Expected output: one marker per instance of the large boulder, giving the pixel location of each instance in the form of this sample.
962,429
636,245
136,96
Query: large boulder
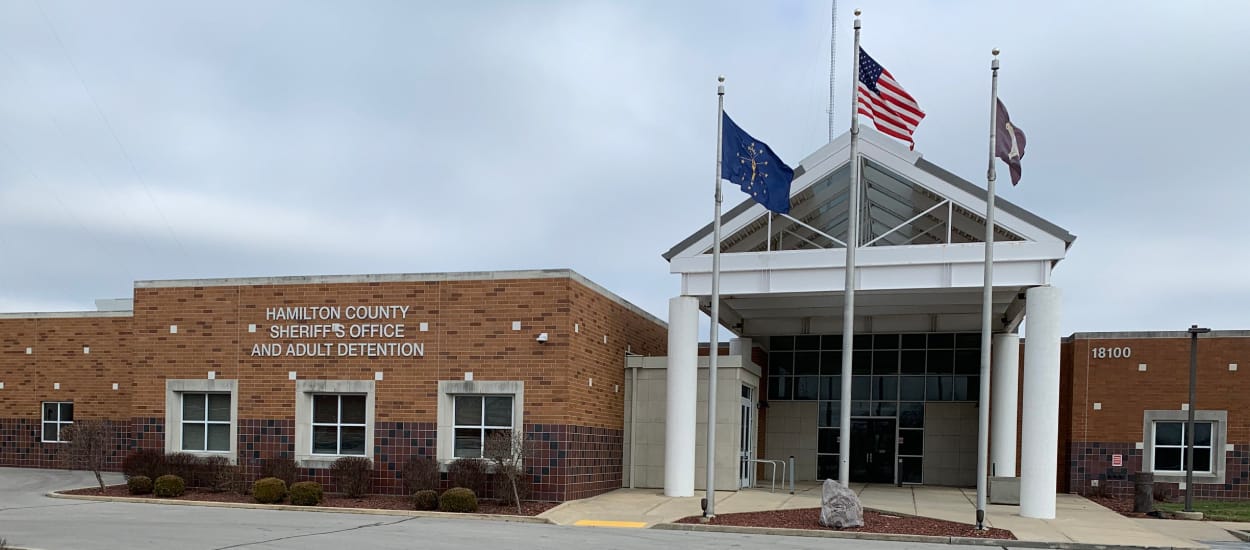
840,507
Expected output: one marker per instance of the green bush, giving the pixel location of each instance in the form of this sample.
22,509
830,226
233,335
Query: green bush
458,499
425,500
269,490
169,486
306,493
281,467
353,475
139,485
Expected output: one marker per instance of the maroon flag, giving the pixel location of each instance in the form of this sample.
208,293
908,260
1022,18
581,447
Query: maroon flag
1008,142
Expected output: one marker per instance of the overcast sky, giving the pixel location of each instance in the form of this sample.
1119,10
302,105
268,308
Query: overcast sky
155,140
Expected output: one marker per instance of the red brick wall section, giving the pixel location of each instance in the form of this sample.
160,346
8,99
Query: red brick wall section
57,357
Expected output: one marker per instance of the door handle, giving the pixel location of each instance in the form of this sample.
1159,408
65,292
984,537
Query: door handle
870,457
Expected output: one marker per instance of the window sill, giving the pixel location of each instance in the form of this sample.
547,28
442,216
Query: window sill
1179,477
206,454
322,462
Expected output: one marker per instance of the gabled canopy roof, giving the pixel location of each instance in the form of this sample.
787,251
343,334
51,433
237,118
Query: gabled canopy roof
920,258
907,201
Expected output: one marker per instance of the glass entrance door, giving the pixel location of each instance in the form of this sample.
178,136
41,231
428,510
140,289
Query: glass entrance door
873,446
746,468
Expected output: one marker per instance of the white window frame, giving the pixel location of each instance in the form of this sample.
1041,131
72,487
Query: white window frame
182,424
481,424
1155,446
174,390
60,424
338,424
304,392
1219,450
447,392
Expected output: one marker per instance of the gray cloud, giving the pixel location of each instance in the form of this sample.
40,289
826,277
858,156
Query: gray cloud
292,138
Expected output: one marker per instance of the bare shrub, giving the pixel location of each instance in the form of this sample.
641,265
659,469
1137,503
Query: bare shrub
149,463
86,447
509,450
281,467
187,466
469,473
421,473
353,475
219,474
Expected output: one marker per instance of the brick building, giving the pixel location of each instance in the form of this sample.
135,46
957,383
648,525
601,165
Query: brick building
384,366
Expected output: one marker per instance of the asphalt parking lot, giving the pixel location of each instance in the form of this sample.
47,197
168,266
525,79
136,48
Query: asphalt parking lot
30,519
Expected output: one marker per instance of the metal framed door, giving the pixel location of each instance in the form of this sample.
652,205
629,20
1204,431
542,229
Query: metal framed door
746,448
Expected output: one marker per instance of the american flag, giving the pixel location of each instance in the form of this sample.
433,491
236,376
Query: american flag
884,100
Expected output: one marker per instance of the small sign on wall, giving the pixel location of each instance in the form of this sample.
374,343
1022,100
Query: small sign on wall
1117,461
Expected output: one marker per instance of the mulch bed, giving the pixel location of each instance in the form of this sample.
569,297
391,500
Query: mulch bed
874,522
378,502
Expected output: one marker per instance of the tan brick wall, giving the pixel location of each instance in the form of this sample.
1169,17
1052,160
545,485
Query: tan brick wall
57,357
1125,392
470,330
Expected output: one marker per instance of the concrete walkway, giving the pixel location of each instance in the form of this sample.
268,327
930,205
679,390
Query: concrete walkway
1078,520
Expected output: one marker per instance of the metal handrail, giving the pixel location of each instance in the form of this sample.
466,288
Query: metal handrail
774,464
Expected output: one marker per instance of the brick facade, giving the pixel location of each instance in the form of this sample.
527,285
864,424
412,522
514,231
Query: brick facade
573,383
1093,374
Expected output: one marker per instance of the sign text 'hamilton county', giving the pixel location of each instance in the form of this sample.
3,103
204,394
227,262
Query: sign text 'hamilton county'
336,331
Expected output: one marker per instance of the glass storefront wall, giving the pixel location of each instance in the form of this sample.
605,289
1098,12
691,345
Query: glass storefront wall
894,375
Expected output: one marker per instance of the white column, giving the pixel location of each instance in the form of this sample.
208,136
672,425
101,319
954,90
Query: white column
1039,445
741,347
682,380
1004,404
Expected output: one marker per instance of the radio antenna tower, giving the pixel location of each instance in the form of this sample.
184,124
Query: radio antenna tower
833,64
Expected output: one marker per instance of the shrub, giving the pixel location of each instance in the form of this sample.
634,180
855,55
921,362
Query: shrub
469,473
269,490
458,499
187,466
420,473
139,485
353,475
169,486
281,467
306,493
87,447
426,499
218,474
509,450
512,485
149,463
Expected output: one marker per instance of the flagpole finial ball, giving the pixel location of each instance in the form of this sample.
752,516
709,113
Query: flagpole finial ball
995,52
858,12
720,78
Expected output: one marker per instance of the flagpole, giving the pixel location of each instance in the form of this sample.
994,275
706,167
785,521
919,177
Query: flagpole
987,307
714,339
848,306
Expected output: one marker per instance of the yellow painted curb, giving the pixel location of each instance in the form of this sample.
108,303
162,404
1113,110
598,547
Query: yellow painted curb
326,509
604,523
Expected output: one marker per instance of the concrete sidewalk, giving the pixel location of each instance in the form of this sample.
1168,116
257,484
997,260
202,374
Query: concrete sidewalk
1078,520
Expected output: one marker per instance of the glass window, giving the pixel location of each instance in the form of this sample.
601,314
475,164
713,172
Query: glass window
830,414
911,442
913,341
968,340
781,388
810,343
861,362
831,363
911,388
967,361
831,342
885,388
781,363
941,341
206,422
806,388
827,443
912,361
861,387
940,388
778,343
941,361
338,426
885,341
1169,447
827,466
57,415
477,417
807,363
831,388
911,415
885,362
909,469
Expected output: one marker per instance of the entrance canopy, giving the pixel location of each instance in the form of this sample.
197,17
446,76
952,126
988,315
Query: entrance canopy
919,265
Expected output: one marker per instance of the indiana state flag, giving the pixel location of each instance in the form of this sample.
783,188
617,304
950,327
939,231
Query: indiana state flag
752,165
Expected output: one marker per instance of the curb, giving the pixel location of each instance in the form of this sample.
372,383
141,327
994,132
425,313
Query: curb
1243,535
971,541
324,509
